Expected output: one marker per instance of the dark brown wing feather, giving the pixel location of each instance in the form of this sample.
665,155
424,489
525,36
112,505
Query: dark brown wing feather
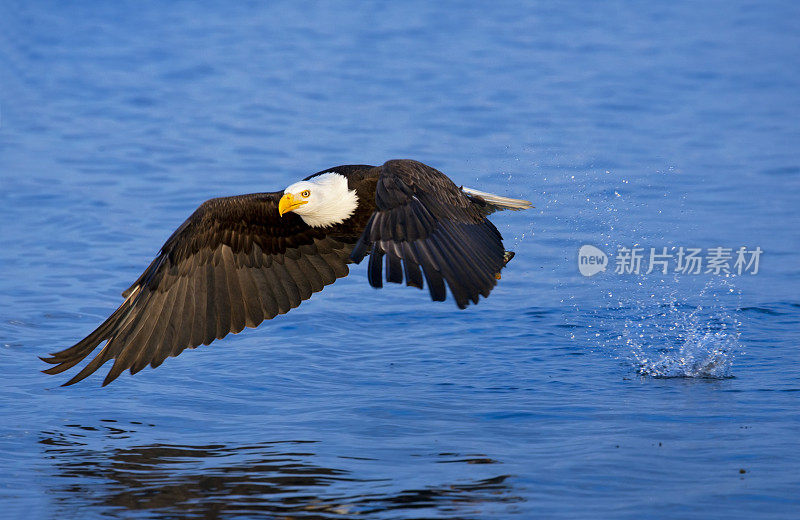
232,264
424,225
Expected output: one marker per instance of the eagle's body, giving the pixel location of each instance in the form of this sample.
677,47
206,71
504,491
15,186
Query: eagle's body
237,261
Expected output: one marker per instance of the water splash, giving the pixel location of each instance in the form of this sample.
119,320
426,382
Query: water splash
680,340
697,351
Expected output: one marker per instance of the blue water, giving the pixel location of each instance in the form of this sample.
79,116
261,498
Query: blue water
561,396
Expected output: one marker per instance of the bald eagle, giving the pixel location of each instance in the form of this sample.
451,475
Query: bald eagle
237,261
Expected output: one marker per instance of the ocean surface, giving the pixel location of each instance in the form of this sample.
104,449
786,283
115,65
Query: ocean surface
629,125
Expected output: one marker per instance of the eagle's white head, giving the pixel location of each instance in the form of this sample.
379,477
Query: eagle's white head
321,201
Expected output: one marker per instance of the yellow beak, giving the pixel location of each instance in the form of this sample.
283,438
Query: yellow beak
289,203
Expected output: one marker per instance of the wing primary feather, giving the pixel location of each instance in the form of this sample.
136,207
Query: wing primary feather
156,335
289,283
125,344
148,332
424,255
171,334
124,350
477,259
62,366
488,249
183,327
200,317
97,362
234,292
435,283
450,272
281,298
412,273
360,251
458,286
334,261
375,268
394,269
211,304
252,299
222,299
482,276
303,272
266,293
170,331
321,266
464,265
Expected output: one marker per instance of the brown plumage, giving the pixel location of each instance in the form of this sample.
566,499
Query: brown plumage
236,262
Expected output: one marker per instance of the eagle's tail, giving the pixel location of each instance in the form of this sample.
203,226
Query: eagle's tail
498,202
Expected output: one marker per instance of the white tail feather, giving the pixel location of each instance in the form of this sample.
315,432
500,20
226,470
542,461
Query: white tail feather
498,201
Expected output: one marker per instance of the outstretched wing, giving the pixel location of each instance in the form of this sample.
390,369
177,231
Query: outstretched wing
425,224
233,263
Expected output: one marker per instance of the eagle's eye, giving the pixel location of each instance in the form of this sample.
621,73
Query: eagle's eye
305,194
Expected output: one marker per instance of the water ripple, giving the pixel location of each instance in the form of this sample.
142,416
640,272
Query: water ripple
277,478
